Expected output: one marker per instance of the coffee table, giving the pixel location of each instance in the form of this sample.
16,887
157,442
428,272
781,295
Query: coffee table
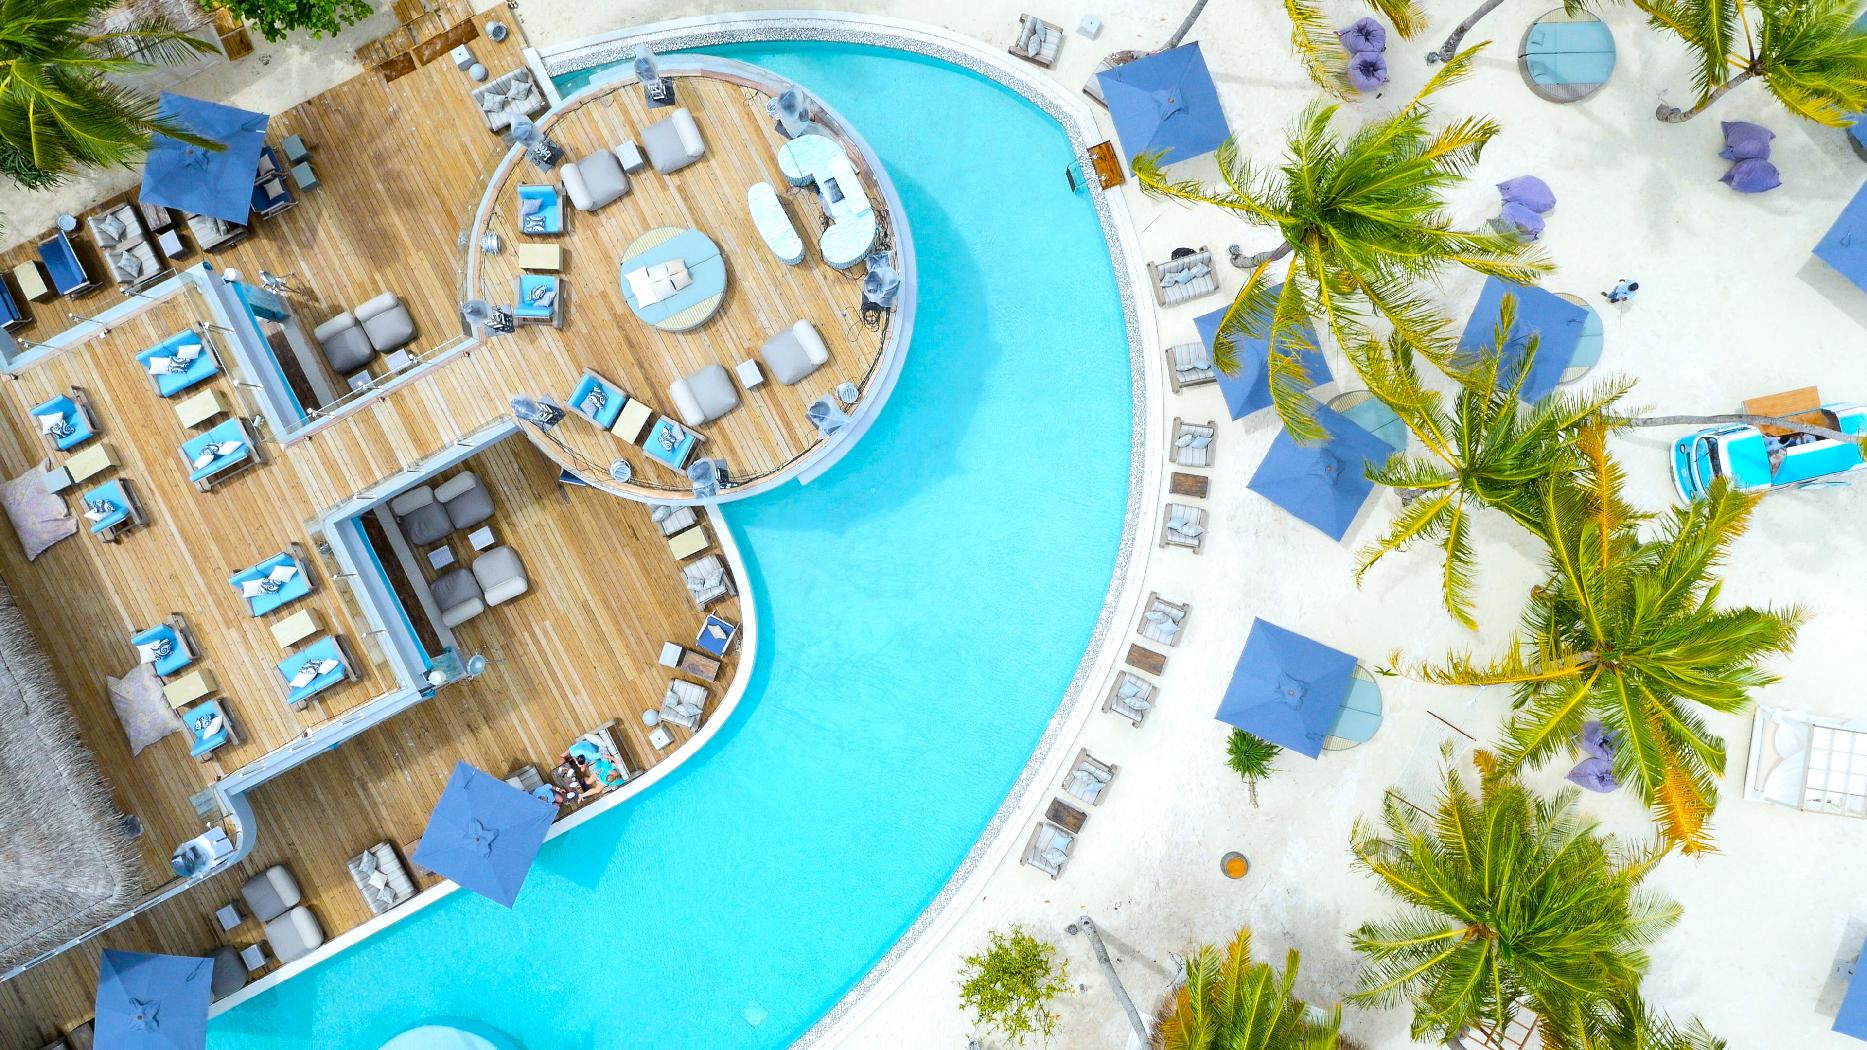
692,305
1184,484
1143,658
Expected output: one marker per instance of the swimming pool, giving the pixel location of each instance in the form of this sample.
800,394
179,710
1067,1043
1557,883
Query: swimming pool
922,608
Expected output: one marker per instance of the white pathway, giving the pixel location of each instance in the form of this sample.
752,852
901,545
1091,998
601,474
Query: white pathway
1731,304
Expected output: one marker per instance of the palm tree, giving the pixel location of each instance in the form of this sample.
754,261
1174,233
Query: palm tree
1086,926
1250,757
1362,220
59,111
1484,449
1806,52
1230,1002
1453,39
1512,902
1627,630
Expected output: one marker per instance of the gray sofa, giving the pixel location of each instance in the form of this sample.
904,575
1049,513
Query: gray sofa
457,594
683,704
704,396
514,93
466,498
345,346
1184,279
595,180
707,580
501,575
387,323
794,353
273,898
673,142
423,518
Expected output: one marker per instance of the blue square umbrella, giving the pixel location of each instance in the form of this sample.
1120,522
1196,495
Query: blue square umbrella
1287,689
1249,389
1557,323
177,174
1324,484
1844,246
1851,1018
1165,101
153,1002
484,834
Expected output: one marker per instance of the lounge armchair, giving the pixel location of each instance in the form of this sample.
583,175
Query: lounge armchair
597,399
1089,778
386,322
683,703
794,353
1162,621
467,499
1183,279
541,210
423,519
1183,526
1192,443
501,575
113,510
65,421
509,95
540,300
1190,364
294,935
168,646
457,594
1048,849
594,181
211,234
1131,697
180,362
322,665
1038,41
704,396
671,520
673,142
381,878
345,346
774,224
707,580
274,583
221,452
271,893
65,266
210,728
130,258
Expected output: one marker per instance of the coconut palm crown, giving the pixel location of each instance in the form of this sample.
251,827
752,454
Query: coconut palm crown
1807,52
1230,1002
1362,221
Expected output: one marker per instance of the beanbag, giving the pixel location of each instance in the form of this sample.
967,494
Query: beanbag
1752,176
1365,35
1529,191
1367,71
1746,141
1526,222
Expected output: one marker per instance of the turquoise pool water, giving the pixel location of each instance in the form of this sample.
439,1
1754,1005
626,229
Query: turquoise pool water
922,608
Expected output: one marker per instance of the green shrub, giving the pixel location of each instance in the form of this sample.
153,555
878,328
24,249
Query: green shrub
1250,757
275,18
1009,986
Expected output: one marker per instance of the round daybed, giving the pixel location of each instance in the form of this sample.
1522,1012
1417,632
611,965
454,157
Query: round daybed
1566,58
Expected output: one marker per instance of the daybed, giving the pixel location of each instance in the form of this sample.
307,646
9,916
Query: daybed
1048,849
1089,778
1038,41
1183,526
274,583
671,519
212,234
597,399
112,509
181,362
322,665
220,453
168,646
65,421
210,728
1190,364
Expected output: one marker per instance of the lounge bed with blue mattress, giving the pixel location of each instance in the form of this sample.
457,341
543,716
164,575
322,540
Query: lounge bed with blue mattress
220,453
112,510
315,668
597,400
183,360
274,583
168,646
65,421
209,729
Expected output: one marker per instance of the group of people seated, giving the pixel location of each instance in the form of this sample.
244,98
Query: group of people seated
586,769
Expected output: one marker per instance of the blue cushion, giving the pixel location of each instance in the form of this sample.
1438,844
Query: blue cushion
229,430
200,720
604,415
325,648
202,369
1542,38
67,409
110,492
295,588
177,659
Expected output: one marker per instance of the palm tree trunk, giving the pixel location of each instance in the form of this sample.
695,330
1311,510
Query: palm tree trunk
1252,262
1675,115
1186,25
1451,46
1743,417
1085,924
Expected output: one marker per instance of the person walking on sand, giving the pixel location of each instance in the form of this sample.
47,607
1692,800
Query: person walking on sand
1622,292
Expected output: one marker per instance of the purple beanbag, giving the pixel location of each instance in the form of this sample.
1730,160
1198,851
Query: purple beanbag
1746,141
1529,191
1526,222
1595,774
1755,175
1365,35
1367,71
1598,740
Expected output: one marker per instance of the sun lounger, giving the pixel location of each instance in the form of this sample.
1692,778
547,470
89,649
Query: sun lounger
210,728
274,583
707,580
1564,58
65,421
1088,778
1038,41
1183,526
597,399
381,878
130,258
1131,697
64,265
672,520
322,665
1048,849
1190,364
683,703
112,509
1184,279
168,646
1192,443
217,455
180,362
1162,620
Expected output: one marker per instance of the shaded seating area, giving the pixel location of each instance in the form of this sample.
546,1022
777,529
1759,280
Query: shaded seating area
1293,691
1324,485
1247,388
220,453
1566,58
1165,101
180,362
484,834
1558,324
274,583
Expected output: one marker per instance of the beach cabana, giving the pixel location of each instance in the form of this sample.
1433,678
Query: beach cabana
1287,689
1557,323
484,834
1248,388
202,181
1844,246
153,1002
1165,101
1324,484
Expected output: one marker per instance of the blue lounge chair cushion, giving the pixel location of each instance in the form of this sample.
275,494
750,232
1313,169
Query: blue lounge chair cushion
597,400
541,210
325,648
290,591
111,498
208,728
177,656
226,433
1752,176
1746,141
1529,191
203,368
72,427
537,296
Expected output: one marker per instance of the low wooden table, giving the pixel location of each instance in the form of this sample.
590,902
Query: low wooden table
545,258
202,407
189,688
31,281
699,665
1065,816
94,460
1140,656
297,627
688,542
1183,484
635,415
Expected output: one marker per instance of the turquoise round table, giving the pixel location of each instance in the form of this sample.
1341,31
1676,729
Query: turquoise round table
690,306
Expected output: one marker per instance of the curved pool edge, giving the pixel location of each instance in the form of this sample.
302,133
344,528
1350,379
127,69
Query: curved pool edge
722,714
1146,466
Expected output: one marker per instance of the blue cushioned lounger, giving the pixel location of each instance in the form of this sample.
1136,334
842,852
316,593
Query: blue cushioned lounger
71,422
209,728
227,433
204,367
324,649
121,514
177,655
597,400
287,591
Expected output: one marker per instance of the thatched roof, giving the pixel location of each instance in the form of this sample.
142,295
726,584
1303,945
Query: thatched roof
65,864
